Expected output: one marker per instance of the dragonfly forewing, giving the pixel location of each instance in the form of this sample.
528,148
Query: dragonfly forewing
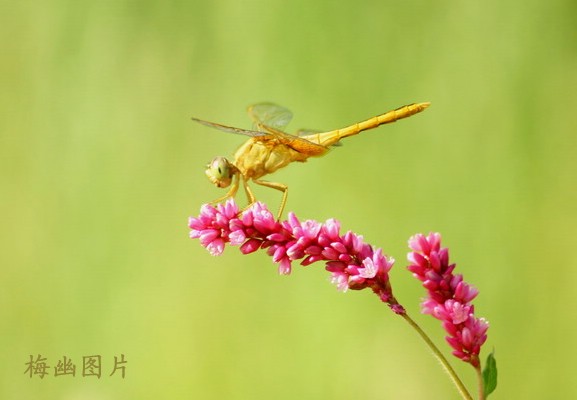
231,129
269,115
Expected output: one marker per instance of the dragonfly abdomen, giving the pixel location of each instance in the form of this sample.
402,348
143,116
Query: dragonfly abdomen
332,137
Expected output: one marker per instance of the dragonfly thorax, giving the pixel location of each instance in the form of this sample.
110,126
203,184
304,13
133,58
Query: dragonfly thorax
220,171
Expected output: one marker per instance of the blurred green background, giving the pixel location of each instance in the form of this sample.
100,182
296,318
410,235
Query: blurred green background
101,167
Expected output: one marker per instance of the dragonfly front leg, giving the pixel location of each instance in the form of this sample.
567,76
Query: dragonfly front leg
278,186
230,194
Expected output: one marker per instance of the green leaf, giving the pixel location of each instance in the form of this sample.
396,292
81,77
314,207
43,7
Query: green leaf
490,375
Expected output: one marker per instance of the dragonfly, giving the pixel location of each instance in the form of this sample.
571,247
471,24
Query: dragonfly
270,148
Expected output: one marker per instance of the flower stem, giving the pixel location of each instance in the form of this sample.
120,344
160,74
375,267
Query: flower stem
480,383
444,362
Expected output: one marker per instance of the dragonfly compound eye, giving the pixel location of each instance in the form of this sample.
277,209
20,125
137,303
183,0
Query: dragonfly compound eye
219,171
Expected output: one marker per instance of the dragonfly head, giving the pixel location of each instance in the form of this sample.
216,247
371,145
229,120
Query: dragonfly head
220,171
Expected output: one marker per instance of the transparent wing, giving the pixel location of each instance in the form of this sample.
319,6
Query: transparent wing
305,132
270,115
230,129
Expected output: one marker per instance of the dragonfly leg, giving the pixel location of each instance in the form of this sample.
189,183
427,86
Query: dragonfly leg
249,193
231,193
278,186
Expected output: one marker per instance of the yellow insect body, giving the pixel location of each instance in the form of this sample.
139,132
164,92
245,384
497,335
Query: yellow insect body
270,148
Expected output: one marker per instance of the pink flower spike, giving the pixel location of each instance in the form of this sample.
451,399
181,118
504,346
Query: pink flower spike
353,263
448,296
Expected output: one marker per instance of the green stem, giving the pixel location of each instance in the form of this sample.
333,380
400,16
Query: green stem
480,383
444,362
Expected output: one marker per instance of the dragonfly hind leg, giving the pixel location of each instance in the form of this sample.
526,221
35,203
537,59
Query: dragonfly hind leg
274,185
